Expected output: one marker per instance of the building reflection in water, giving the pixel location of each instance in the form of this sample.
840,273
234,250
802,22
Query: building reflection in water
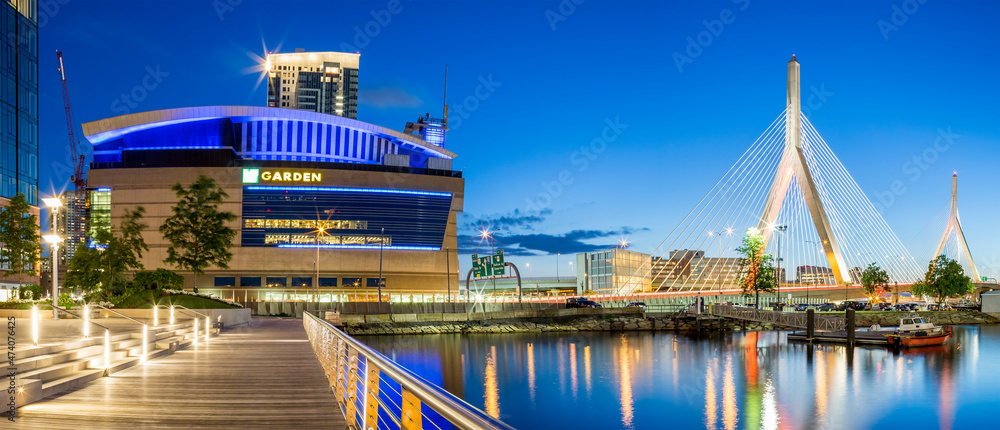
586,368
492,390
625,379
821,386
710,401
729,409
769,415
572,369
531,372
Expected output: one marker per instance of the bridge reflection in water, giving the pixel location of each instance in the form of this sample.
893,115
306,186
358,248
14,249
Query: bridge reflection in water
637,380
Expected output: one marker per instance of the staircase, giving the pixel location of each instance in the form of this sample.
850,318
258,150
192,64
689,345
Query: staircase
54,369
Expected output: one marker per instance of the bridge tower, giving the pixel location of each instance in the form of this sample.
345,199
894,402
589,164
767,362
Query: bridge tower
955,226
793,164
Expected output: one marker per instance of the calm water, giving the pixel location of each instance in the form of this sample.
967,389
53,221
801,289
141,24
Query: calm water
744,380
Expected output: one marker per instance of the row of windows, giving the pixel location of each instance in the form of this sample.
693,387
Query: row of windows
306,223
297,281
305,239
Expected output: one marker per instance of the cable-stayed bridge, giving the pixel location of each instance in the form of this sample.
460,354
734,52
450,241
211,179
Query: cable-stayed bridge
790,187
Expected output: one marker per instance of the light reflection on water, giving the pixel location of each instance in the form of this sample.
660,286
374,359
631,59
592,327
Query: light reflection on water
648,380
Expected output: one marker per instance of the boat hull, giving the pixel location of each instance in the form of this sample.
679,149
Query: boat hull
912,341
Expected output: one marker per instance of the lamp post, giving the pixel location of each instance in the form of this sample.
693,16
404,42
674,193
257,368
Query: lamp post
54,203
381,243
777,269
319,231
53,240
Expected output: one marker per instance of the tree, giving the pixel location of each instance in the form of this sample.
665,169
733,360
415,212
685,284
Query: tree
19,235
873,280
944,278
159,279
756,269
108,264
197,231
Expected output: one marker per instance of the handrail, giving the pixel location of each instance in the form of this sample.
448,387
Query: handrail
121,314
193,311
451,408
85,319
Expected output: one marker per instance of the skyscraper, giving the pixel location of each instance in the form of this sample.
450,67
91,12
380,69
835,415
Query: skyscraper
324,82
19,100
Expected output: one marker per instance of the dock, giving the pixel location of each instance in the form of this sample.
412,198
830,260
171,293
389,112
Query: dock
860,337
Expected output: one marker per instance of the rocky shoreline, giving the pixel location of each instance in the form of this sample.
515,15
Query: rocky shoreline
627,323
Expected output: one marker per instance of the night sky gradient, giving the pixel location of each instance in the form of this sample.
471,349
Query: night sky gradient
593,96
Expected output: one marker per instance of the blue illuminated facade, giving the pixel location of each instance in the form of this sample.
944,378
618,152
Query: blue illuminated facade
19,100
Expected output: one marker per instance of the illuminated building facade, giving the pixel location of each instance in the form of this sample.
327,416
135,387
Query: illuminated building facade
613,271
19,111
297,181
323,82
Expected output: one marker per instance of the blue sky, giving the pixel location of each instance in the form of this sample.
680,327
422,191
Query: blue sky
677,90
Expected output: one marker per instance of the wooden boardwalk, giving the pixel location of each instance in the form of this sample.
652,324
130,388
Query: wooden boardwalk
263,376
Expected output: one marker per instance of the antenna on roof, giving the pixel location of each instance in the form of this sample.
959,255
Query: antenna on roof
446,95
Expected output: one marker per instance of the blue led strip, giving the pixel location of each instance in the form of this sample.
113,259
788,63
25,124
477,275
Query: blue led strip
347,190
390,247
161,148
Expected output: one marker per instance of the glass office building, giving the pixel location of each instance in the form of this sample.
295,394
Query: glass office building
308,189
19,100
324,82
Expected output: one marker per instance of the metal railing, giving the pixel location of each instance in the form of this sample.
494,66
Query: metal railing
350,365
119,314
787,319
86,320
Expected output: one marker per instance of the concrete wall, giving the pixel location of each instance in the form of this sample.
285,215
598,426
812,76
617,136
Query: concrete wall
403,270
230,317
348,319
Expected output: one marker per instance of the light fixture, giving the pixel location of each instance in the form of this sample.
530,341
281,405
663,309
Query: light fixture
53,202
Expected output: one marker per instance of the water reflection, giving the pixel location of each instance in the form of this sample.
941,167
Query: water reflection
492,389
531,372
625,379
731,381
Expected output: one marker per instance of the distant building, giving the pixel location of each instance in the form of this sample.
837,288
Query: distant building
613,271
324,82
814,275
70,223
856,275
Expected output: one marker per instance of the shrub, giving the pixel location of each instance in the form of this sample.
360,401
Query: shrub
30,292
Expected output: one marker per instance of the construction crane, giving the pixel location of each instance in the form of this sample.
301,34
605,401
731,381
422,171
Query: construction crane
79,177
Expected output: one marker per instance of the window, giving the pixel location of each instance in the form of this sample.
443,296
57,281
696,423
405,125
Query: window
327,282
302,281
252,281
275,281
225,281
352,282
373,282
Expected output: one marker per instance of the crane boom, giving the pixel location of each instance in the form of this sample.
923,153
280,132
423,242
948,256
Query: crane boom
79,176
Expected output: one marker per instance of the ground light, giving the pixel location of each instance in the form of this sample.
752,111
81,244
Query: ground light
145,344
86,322
196,332
34,324
107,352
156,316
207,327
171,314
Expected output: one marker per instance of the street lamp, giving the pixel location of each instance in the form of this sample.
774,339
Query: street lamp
53,240
486,234
54,203
777,269
319,231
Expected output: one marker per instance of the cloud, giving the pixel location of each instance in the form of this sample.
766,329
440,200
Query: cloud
388,98
542,244
510,221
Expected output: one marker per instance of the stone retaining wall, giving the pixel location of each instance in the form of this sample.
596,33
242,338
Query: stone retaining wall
936,317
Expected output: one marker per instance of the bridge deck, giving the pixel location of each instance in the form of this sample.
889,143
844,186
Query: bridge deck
249,377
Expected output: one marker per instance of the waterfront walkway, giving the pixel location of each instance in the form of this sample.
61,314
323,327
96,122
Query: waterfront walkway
259,376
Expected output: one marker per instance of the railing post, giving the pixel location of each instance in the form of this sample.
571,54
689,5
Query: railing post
410,418
351,396
371,400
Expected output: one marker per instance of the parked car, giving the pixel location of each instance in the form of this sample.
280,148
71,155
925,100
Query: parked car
882,306
802,307
584,303
826,307
640,305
